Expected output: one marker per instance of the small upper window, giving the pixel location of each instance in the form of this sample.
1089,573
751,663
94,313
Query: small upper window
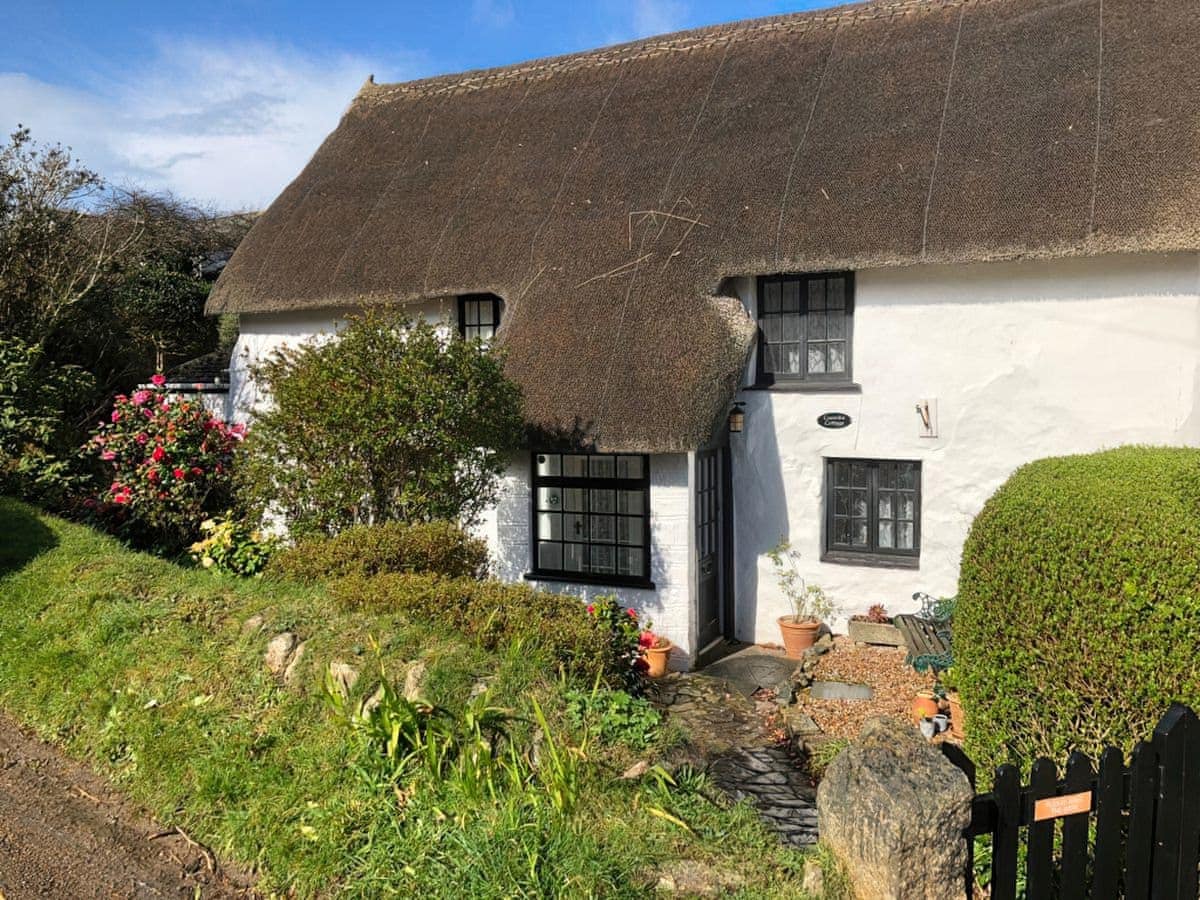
804,327
873,511
479,316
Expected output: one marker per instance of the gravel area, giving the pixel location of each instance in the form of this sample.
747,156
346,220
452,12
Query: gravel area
883,668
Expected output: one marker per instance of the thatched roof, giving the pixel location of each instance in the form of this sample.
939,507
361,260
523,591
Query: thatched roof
606,195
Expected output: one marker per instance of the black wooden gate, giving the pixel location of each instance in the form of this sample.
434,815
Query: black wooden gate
1120,830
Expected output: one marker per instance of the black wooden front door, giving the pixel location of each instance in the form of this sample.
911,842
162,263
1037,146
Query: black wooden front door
710,544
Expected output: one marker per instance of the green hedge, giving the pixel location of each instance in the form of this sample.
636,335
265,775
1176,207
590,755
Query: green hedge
440,548
494,614
1078,618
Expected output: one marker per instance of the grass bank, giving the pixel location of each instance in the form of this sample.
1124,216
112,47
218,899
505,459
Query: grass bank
143,669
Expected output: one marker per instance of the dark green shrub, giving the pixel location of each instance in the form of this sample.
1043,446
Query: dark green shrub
495,615
1078,615
438,548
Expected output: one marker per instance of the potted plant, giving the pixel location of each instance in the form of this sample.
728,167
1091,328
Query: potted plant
958,720
875,628
810,605
656,651
924,705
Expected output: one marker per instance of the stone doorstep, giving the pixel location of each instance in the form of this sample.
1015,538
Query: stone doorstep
840,690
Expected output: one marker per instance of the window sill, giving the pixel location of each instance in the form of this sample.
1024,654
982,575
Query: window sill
601,580
801,387
871,560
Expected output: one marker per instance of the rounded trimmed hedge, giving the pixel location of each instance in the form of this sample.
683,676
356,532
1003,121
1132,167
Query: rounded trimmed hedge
1078,617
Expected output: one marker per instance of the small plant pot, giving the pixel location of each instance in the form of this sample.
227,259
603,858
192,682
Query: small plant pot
656,658
797,636
924,706
958,721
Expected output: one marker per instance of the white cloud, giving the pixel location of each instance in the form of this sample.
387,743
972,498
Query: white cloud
652,17
492,13
227,125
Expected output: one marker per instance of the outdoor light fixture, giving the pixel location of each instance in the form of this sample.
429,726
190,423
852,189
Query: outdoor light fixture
737,419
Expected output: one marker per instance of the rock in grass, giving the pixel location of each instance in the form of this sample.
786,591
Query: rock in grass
414,680
253,625
695,879
342,677
279,652
813,882
892,809
289,674
637,770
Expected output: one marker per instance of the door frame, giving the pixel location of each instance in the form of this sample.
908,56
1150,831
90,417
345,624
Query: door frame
725,576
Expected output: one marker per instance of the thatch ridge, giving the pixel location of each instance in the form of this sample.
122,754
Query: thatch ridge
607,195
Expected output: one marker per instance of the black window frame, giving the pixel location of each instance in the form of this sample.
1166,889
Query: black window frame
873,554
590,482
762,377
497,311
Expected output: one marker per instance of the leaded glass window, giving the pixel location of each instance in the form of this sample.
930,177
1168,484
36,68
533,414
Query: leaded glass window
479,316
804,325
591,516
873,507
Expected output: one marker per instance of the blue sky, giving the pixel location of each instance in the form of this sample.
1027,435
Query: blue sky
224,102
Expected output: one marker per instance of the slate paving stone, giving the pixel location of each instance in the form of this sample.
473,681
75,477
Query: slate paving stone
838,690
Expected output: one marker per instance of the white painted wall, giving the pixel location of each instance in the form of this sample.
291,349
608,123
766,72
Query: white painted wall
669,606
1025,359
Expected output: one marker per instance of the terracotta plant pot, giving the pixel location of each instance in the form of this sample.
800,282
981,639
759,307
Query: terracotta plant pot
924,706
958,721
798,636
656,658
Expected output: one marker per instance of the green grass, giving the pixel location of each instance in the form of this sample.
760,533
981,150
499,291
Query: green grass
140,668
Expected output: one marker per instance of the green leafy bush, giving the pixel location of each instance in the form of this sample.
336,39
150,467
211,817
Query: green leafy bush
390,421
613,716
232,545
438,548
37,442
495,615
1078,613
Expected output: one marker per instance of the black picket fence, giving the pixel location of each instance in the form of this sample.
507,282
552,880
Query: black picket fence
1114,831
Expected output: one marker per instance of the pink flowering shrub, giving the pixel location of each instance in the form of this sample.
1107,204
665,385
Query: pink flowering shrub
170,460
625,632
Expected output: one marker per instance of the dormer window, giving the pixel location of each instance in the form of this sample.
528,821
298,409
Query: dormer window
479,316
804,328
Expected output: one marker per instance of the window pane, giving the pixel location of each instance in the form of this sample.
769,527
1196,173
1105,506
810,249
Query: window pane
629,561
574,499
471,310
885,506
860,504
841,506
836,293
841,532
816,326
549,464
550,526
904,535
791,359
630,502
603,466
575,527
574,557
602,529
859,530
816,294
816,358
791,328
575,466
858,474
602,559
549,556
835,325
837,357
885,535
907,476
549,498
770,296
629,531
841,474
791,296
907,507
629,467
772,327
887,476
603,501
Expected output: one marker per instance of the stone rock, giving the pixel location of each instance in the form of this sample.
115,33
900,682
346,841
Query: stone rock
372,702
892,808
799,723
823,644
253,625
839,690
293,666
414,680
343,677
637,770
480,687
812,884
279,652
696,879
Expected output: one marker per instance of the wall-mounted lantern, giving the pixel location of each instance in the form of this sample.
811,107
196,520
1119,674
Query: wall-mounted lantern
737,419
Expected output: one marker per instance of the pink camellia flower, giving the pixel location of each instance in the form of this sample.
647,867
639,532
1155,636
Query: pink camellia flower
140,397
142,437
152,476
646,640
121,498
116,415
108,456
591,607
158,453
158,380
632,612
178,473
196,470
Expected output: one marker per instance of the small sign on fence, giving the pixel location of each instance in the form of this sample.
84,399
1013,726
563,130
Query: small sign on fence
1066,805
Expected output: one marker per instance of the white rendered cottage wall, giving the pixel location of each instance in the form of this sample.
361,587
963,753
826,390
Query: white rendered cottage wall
1024,359
669,605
